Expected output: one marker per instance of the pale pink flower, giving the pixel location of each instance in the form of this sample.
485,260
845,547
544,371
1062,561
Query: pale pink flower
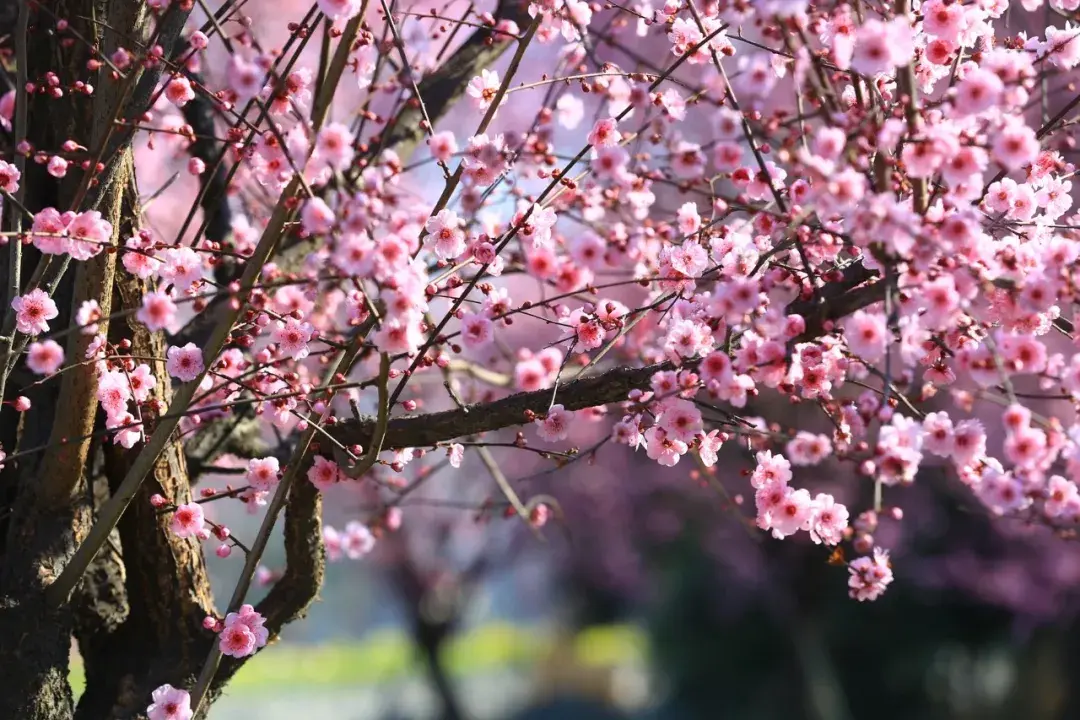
455,454
1014,146
87,316
49,230
128,429
188,520
867,335
334,145
57,166
663,448
170,703
605,133
33,311
185,363
483,88
182,267
323,473
45,357
237,640
555,425
88,234
292,337
158,311
316,217
179,91
357,541
869,576
828,520
142,381
938,434
477,331
1062,496
445,235
251,619
340,9
792,514
262,473
443,145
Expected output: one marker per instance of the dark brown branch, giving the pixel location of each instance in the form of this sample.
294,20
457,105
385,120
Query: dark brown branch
432,428
858,288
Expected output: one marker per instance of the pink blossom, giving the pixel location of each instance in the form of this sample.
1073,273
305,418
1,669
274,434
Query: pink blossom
33,311
49,230
445,235
292,337
323,473
179,91
87,316
555,425
170,703
455,454
605,133
1062,497
317,217
483,88
340,9
828,520
262,473
477,331
142,381
185,363
182,267
187,520
867,335
334,146
45,357
793,513
57,166
88,234
662,448
358,540
9,177
158,311
237,640
443,145
869,576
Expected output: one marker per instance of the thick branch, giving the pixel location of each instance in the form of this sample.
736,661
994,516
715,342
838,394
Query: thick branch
432,428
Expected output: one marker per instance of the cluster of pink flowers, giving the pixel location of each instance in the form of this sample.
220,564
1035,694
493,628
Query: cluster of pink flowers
242,633
854,211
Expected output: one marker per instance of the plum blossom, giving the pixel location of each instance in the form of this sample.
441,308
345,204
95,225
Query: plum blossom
45,357
33,311
555,425
170,703
185,363
262,473
870,576
187,520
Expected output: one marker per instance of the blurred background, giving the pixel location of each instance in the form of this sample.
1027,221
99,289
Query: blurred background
654,598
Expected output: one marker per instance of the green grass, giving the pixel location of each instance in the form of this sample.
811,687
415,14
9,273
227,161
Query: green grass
386,655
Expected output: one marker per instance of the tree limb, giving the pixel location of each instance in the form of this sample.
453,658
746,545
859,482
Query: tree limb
429,429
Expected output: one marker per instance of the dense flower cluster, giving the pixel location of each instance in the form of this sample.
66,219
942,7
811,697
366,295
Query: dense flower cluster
863,210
